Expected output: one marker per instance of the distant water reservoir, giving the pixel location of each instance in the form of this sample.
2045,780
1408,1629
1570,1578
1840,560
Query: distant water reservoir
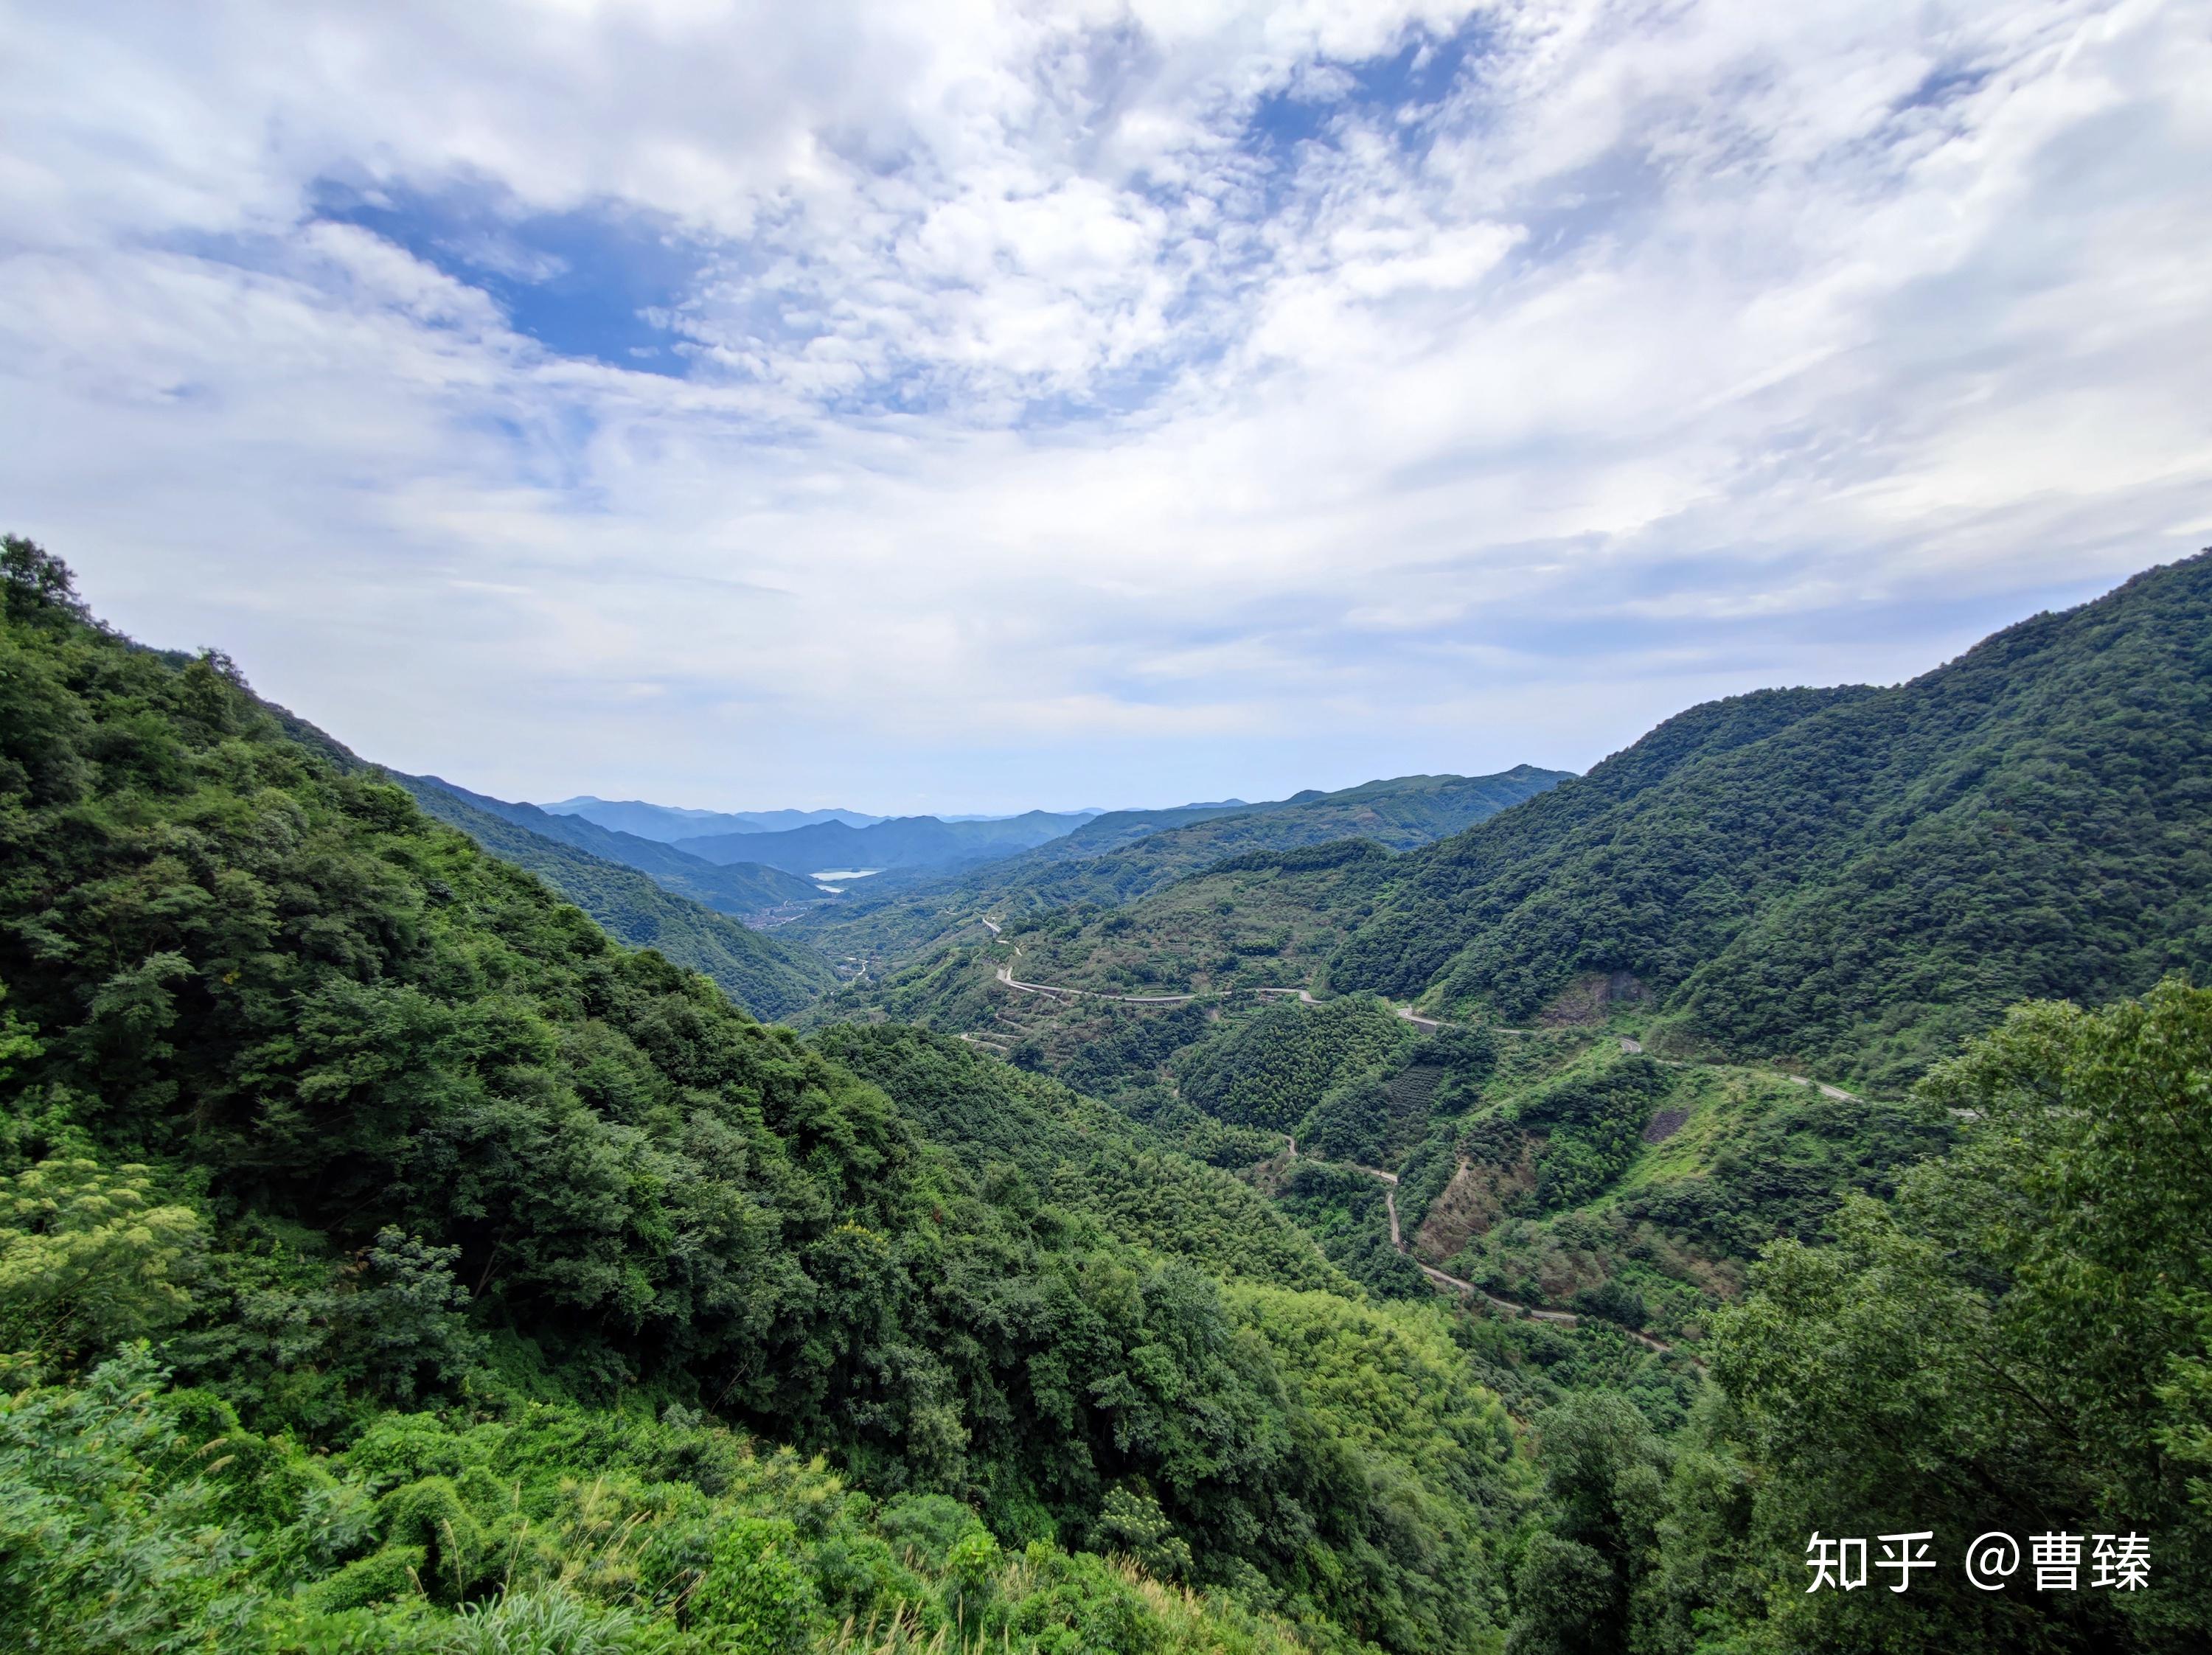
827,875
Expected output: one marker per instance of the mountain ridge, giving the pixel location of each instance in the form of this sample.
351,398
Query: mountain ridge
1892,867
740,889
896,842
669,822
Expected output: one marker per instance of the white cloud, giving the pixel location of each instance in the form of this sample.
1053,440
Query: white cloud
1053,429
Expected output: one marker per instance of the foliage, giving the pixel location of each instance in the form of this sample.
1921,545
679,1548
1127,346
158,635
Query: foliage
1592,1123
137,1517
1271,1067
87,1257
1857,876
2016,1343
109,1544
1031,1141
768,976
1343,1207
1604,1472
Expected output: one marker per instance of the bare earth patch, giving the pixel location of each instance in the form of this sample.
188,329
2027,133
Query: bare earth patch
1473,1201
1589,996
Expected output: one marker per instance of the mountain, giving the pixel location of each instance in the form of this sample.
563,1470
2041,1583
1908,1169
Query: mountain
1845,881
1397,814
769,976
1123,857
396,1261
899,842
667,823
1114,828
1856,877
738,888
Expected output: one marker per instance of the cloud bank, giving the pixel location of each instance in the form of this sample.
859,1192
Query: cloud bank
965,406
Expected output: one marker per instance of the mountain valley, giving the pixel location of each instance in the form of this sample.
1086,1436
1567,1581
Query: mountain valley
1445,1213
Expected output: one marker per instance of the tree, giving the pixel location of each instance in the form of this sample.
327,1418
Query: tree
2017,1343
87,1259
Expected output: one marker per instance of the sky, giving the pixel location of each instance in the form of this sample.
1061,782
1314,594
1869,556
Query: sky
969,406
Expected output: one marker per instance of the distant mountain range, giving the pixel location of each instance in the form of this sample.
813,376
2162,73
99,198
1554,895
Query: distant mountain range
1119,857
899,842
737,887
668,823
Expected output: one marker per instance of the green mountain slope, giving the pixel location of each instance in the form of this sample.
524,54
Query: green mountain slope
1118,828
769,977
1121,857
1398,814
478,1244
738,888
1856,878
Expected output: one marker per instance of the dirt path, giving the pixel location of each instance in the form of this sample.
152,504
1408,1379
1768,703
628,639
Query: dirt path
1439,1278
1428,1025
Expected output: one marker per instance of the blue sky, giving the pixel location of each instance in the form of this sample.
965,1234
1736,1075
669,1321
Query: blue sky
969,406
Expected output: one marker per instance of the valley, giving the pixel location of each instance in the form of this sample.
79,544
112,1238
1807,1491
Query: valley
1446,1214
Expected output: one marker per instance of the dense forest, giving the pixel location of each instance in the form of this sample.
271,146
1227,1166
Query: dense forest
738,888
1124,855
1860,877
756,969
394,1260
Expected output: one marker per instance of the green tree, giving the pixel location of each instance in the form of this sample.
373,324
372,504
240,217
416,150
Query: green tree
1604,1472
2016,1343
88,1258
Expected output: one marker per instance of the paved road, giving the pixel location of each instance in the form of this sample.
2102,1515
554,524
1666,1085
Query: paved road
1053,991
1431,1025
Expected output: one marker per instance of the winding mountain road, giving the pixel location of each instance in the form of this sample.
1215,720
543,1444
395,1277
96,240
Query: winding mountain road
1468,1290
1389,1180
1062,992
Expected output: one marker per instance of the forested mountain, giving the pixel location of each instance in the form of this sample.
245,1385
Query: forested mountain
1115,829
1123,856
667,823
899,842
1396,814
768,976
390,1261
484,1251
738,888
1856,877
